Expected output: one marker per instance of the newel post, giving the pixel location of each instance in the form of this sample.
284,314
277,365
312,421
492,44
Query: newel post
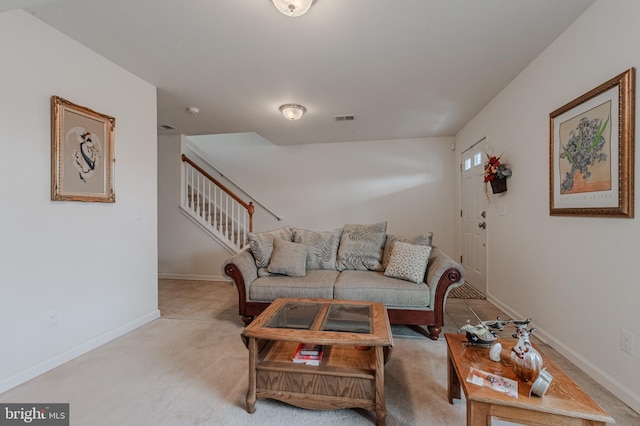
250,210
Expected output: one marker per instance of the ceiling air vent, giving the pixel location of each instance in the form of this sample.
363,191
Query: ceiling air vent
344,117
167,127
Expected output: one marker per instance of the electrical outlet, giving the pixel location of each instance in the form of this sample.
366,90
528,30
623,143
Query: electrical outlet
626,341
52,318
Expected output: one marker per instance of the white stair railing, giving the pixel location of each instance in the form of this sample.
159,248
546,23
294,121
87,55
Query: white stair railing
214,207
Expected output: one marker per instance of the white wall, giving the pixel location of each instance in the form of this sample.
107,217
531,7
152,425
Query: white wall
93,264
577,277
184,250
409,183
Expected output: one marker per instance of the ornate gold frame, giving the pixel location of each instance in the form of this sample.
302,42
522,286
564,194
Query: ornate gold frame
622,164
82,155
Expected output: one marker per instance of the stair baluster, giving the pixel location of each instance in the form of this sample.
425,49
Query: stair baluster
214,207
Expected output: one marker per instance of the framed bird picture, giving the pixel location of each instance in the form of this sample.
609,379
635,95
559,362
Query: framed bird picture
82,157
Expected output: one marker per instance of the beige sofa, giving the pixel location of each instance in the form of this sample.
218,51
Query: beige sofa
357,262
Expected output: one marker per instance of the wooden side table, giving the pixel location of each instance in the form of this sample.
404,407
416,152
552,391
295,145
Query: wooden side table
564,403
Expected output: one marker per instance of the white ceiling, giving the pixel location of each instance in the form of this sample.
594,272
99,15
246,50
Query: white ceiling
404,68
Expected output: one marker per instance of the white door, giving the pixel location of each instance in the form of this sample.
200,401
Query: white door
474,223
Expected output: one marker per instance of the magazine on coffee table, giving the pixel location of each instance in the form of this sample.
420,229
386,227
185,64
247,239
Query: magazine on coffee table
497,383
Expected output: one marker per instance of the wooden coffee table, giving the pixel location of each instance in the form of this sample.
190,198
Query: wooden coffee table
346,377
564,403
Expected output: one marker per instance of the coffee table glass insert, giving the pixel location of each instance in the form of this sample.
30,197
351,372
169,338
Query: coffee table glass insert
348,318
296,315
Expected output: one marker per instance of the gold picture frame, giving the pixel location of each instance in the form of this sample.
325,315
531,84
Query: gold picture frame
591,153
82,156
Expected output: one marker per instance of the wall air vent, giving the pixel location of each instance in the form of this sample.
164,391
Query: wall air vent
344,117
167,127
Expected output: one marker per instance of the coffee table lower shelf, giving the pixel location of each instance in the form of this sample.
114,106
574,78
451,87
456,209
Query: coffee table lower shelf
345,378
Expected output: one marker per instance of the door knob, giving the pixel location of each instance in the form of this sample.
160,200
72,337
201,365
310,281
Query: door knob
483,214
482,225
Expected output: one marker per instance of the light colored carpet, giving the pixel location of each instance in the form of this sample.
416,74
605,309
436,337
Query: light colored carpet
190,368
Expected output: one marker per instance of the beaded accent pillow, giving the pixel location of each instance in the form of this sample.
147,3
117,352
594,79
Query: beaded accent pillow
422,240
408,262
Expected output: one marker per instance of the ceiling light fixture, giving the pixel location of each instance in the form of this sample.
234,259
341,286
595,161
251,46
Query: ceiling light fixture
292,111
292,8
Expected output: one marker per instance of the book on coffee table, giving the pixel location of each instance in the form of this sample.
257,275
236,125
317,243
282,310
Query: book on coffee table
308,354
309,349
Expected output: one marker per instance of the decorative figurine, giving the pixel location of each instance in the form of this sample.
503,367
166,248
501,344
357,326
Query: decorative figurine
527,360
478,334
540,386
496,352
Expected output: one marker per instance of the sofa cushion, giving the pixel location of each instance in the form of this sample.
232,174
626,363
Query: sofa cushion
261,244
315,284
361,247
323,247
408,262
288,258
423,240
375,287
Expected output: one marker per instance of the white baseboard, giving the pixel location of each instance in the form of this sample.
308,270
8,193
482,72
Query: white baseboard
193,277
75,352
629,397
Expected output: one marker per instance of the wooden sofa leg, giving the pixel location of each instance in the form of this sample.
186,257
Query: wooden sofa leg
246,319
434,332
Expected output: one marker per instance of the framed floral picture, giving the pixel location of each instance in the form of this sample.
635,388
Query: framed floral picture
591,155
82,158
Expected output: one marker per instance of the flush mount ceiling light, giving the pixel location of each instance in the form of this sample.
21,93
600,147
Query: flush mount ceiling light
292,111
292,8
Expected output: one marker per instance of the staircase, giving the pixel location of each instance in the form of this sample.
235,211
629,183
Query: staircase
213,207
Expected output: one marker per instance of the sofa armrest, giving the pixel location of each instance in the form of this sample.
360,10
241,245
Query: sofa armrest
242,269
443,275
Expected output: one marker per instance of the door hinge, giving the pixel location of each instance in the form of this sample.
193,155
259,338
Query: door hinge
460,258
460,212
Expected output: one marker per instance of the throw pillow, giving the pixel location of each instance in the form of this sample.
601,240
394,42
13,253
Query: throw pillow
408,262
262,244
288,258
421,240
323,247
361,247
